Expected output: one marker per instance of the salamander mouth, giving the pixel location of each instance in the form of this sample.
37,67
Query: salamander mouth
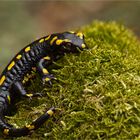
71,49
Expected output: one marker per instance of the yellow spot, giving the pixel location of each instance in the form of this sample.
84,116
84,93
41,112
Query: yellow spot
27,49
2,80
30,127
50,112
67,40
59,41
11,65
9,99
6,131
71,32
47,58
19,56
47,38
53,40
80,35
47,79
83,46
41,40
45,71
29,95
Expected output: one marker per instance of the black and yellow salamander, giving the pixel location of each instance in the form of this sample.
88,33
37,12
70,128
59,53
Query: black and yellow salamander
39,54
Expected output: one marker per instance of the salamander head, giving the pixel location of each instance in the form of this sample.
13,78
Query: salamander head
71,41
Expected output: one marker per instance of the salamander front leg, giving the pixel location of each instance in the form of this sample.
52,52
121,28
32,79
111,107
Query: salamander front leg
46,77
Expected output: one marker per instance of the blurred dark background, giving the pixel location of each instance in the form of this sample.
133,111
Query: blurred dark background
21,22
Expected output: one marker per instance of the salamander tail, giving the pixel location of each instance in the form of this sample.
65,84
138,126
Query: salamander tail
10,131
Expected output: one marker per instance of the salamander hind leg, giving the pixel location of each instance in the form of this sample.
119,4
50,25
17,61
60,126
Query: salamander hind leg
18,89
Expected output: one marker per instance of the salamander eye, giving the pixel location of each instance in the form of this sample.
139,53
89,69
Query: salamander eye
68,44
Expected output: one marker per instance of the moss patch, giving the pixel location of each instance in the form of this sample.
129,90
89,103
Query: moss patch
98,90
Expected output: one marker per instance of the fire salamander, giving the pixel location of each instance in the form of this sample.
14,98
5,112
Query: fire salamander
39,54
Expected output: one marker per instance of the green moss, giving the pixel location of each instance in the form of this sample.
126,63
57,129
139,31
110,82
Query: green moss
98,90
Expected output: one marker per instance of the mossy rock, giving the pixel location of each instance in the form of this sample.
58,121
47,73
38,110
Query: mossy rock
98,90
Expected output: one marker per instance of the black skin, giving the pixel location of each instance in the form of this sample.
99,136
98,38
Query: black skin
39,54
